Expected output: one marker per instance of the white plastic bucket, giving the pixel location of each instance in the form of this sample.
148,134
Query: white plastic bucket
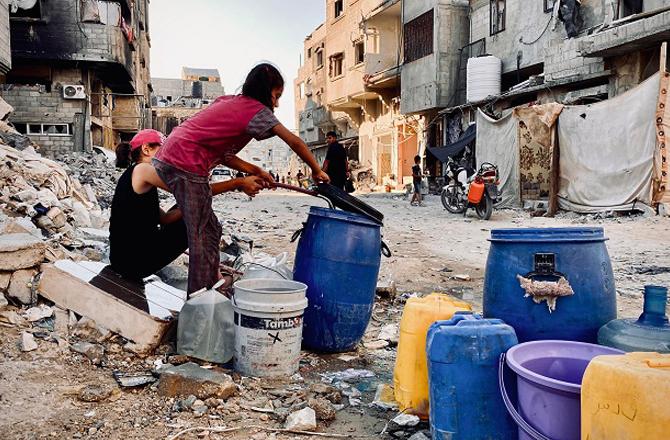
268,326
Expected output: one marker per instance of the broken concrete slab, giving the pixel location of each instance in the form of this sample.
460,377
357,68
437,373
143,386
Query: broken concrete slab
61,326
3,301
21,286
20,251
28,342
117,305
11,318
192,379
303,420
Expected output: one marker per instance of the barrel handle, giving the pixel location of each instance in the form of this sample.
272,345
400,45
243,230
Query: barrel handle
386,251
296,234
555,275
525,426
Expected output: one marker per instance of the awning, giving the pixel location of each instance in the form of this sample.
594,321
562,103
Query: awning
443,153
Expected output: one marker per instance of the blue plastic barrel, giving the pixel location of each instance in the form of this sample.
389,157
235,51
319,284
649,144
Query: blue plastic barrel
577,254
338,257
465,401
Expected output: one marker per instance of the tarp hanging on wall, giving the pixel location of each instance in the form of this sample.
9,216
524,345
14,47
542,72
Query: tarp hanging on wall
443,153
607,151
497,144
536,148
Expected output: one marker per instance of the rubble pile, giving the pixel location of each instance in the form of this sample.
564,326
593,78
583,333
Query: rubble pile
42,190
97,170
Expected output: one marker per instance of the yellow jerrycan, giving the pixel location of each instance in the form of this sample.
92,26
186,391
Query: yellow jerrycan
410,377
626,397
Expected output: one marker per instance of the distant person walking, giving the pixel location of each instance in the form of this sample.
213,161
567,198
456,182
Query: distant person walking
417,176
336,164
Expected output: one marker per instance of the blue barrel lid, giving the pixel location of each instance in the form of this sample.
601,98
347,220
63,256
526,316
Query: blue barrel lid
341,215
547,235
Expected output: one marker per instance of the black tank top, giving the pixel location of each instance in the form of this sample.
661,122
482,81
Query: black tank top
134,219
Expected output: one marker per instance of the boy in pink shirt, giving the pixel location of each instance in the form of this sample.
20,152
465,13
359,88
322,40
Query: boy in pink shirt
214,136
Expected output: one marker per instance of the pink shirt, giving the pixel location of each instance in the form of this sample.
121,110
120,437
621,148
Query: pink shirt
217,132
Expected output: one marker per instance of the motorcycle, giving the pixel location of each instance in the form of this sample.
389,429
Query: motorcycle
479,191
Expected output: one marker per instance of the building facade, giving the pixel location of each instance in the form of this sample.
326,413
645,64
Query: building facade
80,72
350,83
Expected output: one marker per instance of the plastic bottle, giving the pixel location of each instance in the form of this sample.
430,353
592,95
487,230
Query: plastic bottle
651,332
205,329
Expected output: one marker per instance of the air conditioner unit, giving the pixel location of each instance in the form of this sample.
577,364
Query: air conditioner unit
74,91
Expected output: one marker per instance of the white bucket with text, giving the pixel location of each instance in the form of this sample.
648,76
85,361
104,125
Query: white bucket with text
268,326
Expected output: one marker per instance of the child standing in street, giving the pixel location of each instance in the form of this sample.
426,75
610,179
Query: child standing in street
214,136
417,176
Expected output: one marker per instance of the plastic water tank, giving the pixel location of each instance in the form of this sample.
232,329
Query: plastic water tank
483,78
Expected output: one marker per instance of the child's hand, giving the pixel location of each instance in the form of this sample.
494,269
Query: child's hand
251,185
267,179
320,176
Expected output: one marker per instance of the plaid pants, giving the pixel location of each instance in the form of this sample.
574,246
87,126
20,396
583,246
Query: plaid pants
194,197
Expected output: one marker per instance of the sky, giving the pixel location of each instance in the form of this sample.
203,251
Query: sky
233,36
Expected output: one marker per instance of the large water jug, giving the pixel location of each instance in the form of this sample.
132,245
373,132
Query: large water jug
338,258
575,257
205,329
410,376
626,397
463,355
651,332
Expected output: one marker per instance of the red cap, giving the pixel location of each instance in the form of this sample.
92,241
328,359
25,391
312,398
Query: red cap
147,136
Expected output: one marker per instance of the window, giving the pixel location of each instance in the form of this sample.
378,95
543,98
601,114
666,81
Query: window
418,37
19,11
337,65
319,58
549,5
629,7
359,52
301,88
44,129
497,16
339,7
309,52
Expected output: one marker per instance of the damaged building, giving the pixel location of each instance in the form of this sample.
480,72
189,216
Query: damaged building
176,99
349,82
80,72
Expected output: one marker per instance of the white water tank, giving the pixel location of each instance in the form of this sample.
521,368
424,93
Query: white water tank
483,78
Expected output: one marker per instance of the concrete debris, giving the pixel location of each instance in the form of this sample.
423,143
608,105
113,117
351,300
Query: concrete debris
303,420
461,277
28,342
3,301
418,436
20,251
190,378
97,172
323,408
20,286
406,420
390,333
349,374
94,352
131,380
37,313
94,393
375,345
11,318
184,404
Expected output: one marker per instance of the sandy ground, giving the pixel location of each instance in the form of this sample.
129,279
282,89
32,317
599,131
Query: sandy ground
36,388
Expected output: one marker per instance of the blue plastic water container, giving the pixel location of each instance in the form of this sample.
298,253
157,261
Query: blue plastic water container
338,257
465,401
577,254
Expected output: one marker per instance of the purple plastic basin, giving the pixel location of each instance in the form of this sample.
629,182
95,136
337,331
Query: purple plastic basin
549,382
